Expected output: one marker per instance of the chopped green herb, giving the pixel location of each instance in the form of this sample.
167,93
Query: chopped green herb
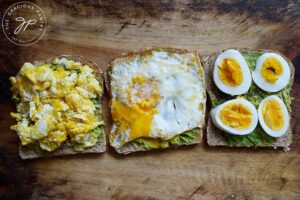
78,71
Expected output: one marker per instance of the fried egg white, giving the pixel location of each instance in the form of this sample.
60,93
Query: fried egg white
273,116
54,102
231,73
272,72
237,116
156,94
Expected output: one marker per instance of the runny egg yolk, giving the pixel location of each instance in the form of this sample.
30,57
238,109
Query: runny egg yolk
137,119
271,69
236,115
273,115
230,72
142,96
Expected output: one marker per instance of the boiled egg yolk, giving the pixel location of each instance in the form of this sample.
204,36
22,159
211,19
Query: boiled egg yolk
236,115
271,69
273,115
134,117
230,72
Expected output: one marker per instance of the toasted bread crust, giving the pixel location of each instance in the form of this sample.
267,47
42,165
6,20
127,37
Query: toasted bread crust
27,153
215,137
129,147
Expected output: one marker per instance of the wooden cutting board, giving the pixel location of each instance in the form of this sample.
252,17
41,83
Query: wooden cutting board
100,31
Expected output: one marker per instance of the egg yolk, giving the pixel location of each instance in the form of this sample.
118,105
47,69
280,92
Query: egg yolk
142,96
236,115
230,72
273,115
137,119
271,69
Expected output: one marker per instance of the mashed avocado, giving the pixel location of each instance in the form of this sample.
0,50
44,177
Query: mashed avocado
258,137
94,137
184,138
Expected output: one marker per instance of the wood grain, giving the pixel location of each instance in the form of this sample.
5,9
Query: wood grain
100,31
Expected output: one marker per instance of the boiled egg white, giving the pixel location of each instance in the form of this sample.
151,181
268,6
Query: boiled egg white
231,73
272,72
273,116
237,117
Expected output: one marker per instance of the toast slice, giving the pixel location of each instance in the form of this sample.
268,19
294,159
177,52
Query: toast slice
216,137
29,153
134,146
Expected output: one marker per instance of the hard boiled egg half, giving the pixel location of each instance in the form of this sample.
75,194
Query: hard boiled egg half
272,72
273,116
237,117
231,73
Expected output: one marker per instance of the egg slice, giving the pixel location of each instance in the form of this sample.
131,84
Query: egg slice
231,73
272,72
237,117
273,116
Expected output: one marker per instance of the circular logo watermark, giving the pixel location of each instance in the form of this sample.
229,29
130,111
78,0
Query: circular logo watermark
24,23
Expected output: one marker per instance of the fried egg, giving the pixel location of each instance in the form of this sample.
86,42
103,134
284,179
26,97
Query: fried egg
231,73
156,94
273,116
55,102
272,72
237,116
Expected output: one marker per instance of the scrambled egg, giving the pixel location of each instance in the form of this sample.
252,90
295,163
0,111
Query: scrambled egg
56,102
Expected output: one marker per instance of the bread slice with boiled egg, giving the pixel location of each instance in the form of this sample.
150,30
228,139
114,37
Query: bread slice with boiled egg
158,99
80,130
260,79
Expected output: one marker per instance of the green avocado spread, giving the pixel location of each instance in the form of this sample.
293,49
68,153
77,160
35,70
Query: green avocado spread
258,137
184,138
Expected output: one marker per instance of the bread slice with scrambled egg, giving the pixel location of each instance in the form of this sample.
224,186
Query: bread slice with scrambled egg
158,99
219,136
59,107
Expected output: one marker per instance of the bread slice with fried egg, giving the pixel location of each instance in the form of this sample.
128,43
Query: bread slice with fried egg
98,145
217,136
158,99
